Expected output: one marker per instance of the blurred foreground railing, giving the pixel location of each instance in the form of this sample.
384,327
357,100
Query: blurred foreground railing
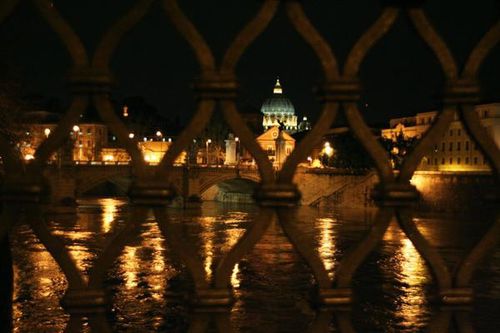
90,80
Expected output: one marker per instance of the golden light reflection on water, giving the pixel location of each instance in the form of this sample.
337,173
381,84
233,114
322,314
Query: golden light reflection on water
412,273
327,247
109,212
207,237
130,266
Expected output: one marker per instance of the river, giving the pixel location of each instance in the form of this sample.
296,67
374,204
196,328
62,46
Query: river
272,285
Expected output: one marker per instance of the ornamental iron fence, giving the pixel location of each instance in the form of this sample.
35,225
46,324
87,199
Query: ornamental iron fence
90,79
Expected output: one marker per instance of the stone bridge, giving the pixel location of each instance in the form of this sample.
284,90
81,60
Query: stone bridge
74,181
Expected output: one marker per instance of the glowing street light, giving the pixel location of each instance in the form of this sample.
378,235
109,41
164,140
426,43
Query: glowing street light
159,134
131,135
47,132
327,148
237,140
76,129
209,141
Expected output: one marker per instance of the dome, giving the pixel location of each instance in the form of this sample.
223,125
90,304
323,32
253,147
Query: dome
277,103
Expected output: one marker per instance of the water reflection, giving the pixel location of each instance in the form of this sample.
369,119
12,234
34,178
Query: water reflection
327,243
110,208
272,283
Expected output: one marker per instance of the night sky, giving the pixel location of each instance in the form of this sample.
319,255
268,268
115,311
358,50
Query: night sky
400,76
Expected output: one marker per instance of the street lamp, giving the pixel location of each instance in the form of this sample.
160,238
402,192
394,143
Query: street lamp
328,149
47,132
237,140
158,134
76,130
209,141
131,135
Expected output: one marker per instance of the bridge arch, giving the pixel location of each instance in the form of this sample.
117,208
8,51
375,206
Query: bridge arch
212,181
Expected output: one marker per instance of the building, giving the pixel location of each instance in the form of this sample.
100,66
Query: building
85,143
456,151
279,111
277,144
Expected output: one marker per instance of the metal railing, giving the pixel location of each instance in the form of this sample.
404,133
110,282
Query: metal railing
90,80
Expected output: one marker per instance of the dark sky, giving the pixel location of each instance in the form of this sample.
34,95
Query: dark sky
400,75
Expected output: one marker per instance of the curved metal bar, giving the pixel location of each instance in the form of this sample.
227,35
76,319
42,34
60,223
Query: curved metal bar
60,134
12,159
353,259
223,322
378,154
321,322
56,249
244,245
99,323
431,256
486,144
304,246
463,321
192,36
432,136
188,257
307,144
74,324
108,115
113,36
199,322
482,49
196,125
249,33
435,42
67,35
6,8
237,124
368,40
469,264
440,322
7,219
115,246
322,49
344,321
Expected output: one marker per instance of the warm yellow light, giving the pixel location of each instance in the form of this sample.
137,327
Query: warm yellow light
131,135
209,141
47,132
158,134
125,111
28,157
236,139
277,87
76,128
327,149
108,158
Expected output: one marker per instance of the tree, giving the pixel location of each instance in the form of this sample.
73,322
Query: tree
347,154
399,148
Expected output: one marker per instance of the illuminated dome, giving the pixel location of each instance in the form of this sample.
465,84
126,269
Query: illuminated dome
277,104
279,111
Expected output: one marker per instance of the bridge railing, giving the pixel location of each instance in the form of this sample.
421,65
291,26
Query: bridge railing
90,79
